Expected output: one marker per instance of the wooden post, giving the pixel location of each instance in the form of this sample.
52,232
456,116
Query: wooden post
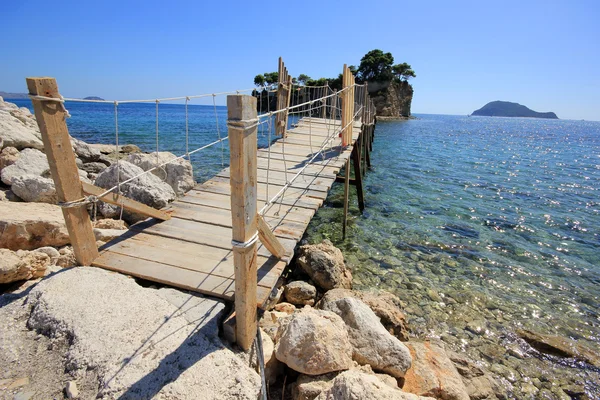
345,105
324,110
241,114
358,175
346,195
287,105
51,119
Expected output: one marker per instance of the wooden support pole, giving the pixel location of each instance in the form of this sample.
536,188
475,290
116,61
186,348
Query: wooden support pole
345,106
287,105
324,109
346,195
358,176
51,118
242,118
268,238
280,96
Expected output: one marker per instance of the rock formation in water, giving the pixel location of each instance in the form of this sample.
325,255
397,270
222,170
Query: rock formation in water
508,109
392,98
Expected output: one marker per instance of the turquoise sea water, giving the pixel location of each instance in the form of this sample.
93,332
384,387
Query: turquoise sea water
481,225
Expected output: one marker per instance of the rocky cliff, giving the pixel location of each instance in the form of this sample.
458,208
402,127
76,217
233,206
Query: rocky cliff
392,99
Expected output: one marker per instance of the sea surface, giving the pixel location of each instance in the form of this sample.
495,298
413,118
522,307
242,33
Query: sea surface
481,225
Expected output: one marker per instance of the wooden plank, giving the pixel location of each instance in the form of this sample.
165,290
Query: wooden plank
127,203
316,191
268,239
51,119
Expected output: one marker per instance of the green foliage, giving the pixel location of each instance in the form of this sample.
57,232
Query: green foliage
259,80
302,79
376,66
271,77
403,71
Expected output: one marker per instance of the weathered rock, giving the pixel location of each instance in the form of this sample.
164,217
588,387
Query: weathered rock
147,189
561,347
71,390
285,307
130,148
34,188
314,342
141,343
109,223
464,366
309,387
355,384
30,162
67,258
324,263
50,252
8,156
433,374
271,322
480,388
17,133
9,195
178,173
103,148
93,167
300,293
385,305
84,151
106,235
28,226
22,265
372,343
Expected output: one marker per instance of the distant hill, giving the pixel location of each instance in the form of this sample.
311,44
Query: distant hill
8,95
508,109
93,98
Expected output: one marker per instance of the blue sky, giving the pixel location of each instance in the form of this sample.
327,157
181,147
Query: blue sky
543,54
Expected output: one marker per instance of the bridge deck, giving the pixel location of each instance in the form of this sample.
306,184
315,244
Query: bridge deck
192,250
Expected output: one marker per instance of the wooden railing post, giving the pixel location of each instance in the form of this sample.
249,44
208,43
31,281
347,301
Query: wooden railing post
51,118
284,91
242,123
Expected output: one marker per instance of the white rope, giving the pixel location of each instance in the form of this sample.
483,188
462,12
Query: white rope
60,100
246,244
154,100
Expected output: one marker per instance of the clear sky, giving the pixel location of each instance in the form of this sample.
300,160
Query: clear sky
543,54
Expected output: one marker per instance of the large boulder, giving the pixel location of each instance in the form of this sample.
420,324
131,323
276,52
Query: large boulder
16,132
356,384
433,373
30,162
385,305
314,342
178,173
22,265
561,347
34,188
300,293
324,263
84,151
27,226
147,188
140,343
372,344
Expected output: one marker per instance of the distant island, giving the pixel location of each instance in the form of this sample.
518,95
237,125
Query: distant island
508,109
17,96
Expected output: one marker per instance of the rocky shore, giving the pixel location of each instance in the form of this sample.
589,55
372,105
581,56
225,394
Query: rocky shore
82,332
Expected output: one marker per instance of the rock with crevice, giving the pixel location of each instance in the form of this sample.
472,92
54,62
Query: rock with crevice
178,172
147,188
324,263
30,162
106,235
385,305
28,226
18,132
433,373
37,189
300,293
22,265
314,342
84,151
372,344
356,384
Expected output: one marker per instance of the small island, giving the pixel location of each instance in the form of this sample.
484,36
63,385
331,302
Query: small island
93,98
508,109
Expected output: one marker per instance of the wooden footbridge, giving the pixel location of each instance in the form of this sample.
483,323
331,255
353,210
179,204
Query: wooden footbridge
233,235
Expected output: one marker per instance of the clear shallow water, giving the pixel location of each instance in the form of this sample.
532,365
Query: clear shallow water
481,222
481,225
